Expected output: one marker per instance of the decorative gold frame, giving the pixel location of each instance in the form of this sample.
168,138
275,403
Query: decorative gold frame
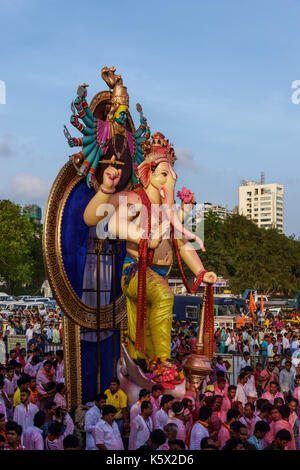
72,360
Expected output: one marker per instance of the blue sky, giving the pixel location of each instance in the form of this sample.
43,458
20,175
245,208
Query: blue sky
214,76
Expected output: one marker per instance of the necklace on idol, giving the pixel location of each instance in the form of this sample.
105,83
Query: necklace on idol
113,141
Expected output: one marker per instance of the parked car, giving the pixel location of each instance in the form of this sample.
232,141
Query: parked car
5,297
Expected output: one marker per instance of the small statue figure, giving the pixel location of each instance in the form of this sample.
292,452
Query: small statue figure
107,137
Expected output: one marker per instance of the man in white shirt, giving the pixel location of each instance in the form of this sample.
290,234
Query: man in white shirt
271,346
10,328
285,342
33,366
261,335
279,344
294,345
29,333
249,420
155,398
141,427
245,335
24,413
200,430
144,395
241,393
230,343
4,401
244,362
107,434
33,435
37,327
287,379
161,417
250,384
60,367
92,417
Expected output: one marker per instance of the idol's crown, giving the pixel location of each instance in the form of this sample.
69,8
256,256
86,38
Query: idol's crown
157,147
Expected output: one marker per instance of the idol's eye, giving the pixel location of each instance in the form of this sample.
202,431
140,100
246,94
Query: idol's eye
164,173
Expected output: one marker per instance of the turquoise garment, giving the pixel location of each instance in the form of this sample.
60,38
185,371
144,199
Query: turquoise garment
264,345
256,442
130,267
222,342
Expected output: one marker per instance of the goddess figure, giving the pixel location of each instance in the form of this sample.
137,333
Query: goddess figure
108,136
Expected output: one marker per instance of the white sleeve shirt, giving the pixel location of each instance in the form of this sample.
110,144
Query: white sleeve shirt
160,419
92,417
108,435
197,434
135,410
240,394
24,416
139,432
33,438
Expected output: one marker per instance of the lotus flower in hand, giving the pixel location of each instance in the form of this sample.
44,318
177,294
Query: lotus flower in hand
186,196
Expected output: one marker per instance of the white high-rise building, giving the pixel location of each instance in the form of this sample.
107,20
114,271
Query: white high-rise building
220,211
262,203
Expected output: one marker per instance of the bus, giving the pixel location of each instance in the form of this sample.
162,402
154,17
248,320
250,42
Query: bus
188,307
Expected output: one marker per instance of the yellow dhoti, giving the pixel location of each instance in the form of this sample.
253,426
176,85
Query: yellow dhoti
159,315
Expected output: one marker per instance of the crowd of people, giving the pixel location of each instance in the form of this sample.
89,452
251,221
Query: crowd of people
34,323
259,410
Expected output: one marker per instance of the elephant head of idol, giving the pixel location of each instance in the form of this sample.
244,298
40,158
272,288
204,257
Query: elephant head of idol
158,177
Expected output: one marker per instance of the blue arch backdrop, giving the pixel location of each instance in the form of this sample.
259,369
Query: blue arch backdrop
74,245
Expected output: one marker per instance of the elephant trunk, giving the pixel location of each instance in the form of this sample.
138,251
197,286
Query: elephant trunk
167,196
174,220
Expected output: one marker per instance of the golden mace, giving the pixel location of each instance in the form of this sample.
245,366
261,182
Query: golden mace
197,366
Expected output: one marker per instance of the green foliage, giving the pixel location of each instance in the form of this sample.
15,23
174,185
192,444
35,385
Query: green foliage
21,259
249,256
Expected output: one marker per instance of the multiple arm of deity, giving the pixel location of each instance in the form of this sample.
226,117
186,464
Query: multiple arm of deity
142,134
92,149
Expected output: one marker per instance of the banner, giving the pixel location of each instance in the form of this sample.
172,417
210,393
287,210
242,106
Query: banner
14,339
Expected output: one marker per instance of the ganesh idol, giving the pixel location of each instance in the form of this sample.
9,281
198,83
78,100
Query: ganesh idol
146,217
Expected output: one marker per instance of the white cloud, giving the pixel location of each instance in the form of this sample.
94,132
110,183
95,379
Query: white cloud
185,158
7,143
11,145
29,187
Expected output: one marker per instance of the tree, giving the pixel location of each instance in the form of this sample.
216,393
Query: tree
249,256
20,247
